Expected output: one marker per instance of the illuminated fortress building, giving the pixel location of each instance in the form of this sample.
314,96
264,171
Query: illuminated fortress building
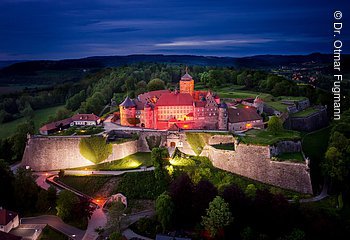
184,109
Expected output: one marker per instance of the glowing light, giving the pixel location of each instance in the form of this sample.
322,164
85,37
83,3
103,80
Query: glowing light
246,106
46,174
185,126
248,125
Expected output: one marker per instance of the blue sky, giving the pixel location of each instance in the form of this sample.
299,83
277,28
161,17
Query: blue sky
59,29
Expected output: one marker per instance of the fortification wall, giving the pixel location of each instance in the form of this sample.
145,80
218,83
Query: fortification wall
254,162
285,147
53,153
310,123
221,139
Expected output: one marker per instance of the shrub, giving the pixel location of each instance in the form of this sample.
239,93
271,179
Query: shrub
153,141
95,148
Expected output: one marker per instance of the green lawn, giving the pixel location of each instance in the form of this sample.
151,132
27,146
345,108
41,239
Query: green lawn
315,144
292,157
265,137
89,185
48,234
306,112
41,116
277,105
129,162
227,146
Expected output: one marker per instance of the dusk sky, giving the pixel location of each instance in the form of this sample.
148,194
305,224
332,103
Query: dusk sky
55,29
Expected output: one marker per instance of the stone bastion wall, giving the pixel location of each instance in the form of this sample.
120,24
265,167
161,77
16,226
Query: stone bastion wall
53,153
254,162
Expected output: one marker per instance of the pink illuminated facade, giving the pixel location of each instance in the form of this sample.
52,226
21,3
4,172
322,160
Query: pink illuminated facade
186,109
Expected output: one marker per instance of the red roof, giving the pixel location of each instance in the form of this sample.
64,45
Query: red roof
172,99
242,115
147,96
85,117
190,114
54,125
6,216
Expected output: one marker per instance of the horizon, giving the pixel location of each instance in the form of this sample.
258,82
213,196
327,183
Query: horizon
155,54
51,30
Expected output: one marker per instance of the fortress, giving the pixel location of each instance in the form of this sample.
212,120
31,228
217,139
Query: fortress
186,109
44,153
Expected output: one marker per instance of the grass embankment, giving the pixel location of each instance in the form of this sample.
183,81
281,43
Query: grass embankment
265,137
226,146
197,141
315,146
291,157
133,161
40,117
89,185
305,113
48,234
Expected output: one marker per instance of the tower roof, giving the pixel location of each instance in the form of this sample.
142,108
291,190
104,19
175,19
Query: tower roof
186,76
128,103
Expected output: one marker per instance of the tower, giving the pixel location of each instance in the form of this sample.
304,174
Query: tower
127,111
222,121
187,83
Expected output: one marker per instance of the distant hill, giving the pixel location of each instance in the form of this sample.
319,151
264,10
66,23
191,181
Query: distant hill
47,71
8,63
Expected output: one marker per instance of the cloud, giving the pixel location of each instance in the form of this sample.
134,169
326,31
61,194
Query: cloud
213,42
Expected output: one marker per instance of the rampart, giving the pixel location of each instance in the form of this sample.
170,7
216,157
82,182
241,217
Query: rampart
254,162
53,153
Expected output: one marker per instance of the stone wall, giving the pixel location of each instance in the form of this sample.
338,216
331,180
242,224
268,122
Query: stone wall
254,162
285,147
53,153
310,123
221,139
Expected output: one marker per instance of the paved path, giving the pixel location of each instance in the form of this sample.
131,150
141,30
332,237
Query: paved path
56,223
129,234
319,197
97,172
98,219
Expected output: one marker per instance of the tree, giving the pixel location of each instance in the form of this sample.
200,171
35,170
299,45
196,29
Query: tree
20,137
115,214
66,203
42,204
156,84
218,216
164,210
25,189
204,192
274,125
334,165
157,156
6,184
181,192
52,196
237,200
250,191
28,112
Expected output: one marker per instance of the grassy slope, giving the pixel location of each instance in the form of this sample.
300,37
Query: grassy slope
315,146
264,137
305,113
41,116
89,185
129,162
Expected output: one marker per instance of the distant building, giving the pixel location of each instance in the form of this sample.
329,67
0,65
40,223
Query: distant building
8,220
240,119
185,109
85,120
76,120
